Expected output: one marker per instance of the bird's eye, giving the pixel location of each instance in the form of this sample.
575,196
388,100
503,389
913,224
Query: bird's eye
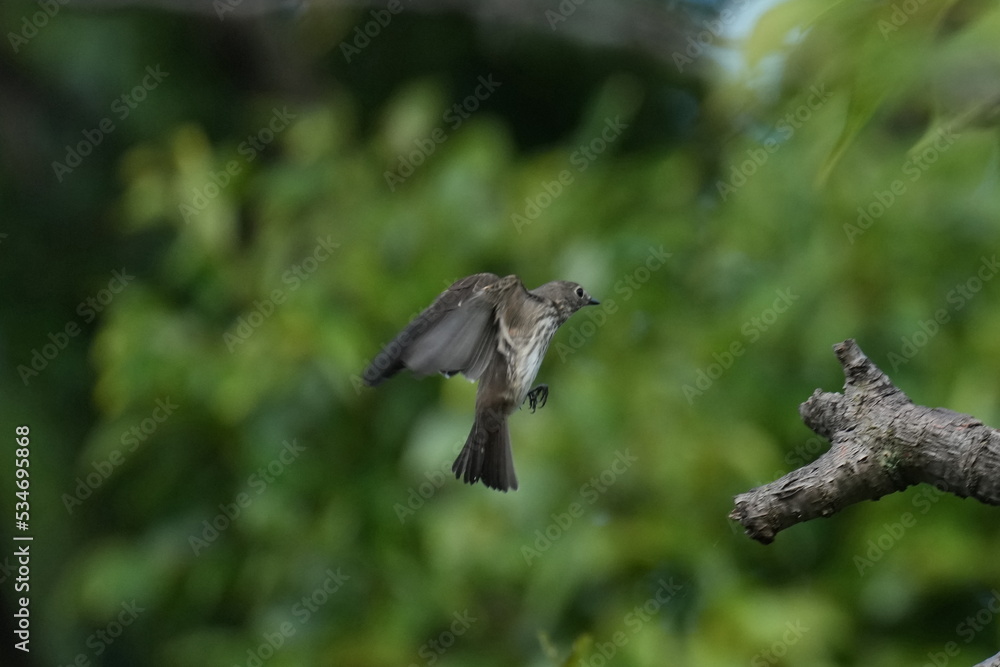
579,292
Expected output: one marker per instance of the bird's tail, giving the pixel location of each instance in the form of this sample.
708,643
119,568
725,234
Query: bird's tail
486,455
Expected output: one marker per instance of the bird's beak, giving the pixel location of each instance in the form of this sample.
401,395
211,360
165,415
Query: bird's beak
593,302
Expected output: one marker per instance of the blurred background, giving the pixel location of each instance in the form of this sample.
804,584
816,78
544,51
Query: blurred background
214,214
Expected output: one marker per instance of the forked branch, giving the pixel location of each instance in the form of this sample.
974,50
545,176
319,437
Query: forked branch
880,443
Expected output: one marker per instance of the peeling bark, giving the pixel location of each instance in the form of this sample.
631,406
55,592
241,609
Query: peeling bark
880,443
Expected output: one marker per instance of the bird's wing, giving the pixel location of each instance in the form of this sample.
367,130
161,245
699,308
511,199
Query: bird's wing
455,334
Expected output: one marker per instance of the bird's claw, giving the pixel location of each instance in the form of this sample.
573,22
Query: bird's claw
538,396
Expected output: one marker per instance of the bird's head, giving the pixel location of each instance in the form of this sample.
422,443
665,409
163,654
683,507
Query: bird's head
568,297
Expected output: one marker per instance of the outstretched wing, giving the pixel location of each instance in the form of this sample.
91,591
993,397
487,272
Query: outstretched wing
455,334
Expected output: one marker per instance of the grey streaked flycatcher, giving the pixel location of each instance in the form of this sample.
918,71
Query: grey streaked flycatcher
490,329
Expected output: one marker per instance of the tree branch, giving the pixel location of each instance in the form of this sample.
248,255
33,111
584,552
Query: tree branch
880,443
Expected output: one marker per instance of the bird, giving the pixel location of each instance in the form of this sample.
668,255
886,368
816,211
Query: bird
493,330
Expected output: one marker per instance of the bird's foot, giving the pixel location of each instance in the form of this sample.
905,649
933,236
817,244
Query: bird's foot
538,396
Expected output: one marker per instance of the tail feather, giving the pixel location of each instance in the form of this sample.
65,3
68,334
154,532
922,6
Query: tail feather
486,455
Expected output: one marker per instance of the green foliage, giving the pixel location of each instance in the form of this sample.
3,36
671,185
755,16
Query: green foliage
280,503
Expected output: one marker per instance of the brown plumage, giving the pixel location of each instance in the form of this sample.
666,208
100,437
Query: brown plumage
493,330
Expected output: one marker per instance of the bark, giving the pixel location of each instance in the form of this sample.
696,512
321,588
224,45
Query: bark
880,443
